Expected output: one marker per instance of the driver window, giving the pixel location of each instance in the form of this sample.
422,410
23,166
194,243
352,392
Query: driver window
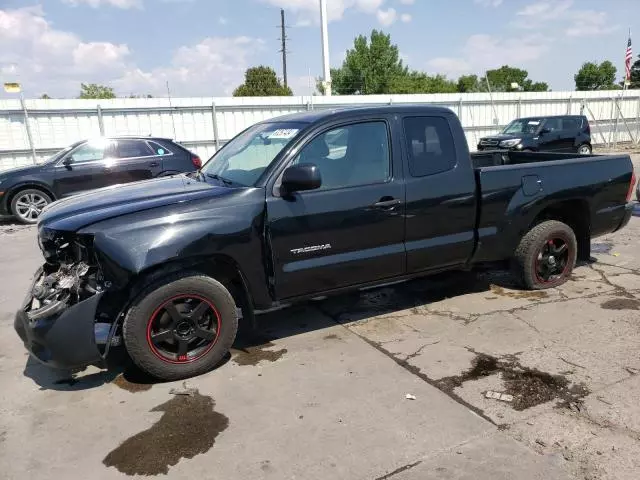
349,156
258,154
89,152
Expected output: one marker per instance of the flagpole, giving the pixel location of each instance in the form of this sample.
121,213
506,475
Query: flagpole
625,85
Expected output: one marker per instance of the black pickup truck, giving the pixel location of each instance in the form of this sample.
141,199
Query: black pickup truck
299,207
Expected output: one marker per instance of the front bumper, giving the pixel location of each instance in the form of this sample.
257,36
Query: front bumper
65,338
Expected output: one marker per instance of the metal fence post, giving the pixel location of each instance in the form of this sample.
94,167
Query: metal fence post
28,127
460,109
216,138
569,106
100,121
615,128
638,122
519,107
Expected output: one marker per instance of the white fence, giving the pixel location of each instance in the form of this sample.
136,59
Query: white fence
202,124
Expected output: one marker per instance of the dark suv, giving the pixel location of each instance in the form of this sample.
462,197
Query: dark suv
564,133
87,165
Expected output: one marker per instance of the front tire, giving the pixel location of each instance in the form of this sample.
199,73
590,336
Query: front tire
546,256
181,326
27,205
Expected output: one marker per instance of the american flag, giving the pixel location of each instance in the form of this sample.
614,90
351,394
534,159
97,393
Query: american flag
627,62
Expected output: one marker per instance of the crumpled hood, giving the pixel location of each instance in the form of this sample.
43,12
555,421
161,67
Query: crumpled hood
73,213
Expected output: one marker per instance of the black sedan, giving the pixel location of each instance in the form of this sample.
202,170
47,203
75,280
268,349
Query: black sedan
87,165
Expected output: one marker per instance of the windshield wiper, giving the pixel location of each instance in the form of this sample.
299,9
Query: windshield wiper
220,179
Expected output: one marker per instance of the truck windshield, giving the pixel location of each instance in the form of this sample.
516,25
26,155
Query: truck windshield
243,159
524,125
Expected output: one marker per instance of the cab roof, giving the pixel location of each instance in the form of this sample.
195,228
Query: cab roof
313,116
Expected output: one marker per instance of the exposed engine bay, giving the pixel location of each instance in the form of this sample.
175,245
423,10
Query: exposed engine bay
69,284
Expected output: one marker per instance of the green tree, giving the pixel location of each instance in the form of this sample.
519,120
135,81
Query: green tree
261,82
44,96
93,90
592,76
502,78
418,82
635,74
371,67
469,84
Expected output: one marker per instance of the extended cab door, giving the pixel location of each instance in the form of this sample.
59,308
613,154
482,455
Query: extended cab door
441,193
350,231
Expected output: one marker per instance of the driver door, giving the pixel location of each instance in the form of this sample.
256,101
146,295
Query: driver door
84,168
351,230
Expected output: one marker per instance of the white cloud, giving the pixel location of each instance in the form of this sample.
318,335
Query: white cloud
488,3
44,59
406,18
407,2
47,60
309,10
577,22
214,66
482,52
223,20
589,23
124,4
387,17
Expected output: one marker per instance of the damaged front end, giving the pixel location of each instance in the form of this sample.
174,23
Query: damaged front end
57,321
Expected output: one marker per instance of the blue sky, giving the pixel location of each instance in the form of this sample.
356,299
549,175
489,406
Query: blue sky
202,47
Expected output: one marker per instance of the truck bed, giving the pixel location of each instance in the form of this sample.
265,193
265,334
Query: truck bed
500,157
515,188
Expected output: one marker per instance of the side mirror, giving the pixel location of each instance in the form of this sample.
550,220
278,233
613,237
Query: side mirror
298,178
545,131
67,161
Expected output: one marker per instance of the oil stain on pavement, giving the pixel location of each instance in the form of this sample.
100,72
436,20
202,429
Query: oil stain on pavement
529,387
621,304
133,381
188,427
252,350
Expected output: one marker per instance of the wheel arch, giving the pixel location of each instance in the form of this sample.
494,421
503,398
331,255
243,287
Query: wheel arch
576,214
26,186
220,267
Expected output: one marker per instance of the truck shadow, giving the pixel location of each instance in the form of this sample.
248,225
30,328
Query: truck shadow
254,346
361,305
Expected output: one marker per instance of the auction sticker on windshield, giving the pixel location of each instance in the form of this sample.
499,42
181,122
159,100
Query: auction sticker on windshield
534,122
284,133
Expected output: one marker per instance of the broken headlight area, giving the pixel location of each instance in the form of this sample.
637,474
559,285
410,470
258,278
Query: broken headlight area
59,247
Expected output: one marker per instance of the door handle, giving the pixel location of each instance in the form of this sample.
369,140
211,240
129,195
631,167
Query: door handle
387,203
154,164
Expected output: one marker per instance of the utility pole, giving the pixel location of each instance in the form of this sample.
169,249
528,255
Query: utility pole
325,48
284,46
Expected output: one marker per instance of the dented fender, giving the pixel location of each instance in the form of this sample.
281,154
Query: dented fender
127,246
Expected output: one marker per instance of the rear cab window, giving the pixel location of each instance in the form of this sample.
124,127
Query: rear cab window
133,149
159,149
430,145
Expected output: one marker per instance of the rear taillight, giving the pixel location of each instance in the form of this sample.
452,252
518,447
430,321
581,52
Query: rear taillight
633,184
195,159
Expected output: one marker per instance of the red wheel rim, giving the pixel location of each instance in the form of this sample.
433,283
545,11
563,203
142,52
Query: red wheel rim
183,329
553,260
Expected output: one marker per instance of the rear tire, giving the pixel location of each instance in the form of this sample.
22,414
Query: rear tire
546,256
584,149
181,326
